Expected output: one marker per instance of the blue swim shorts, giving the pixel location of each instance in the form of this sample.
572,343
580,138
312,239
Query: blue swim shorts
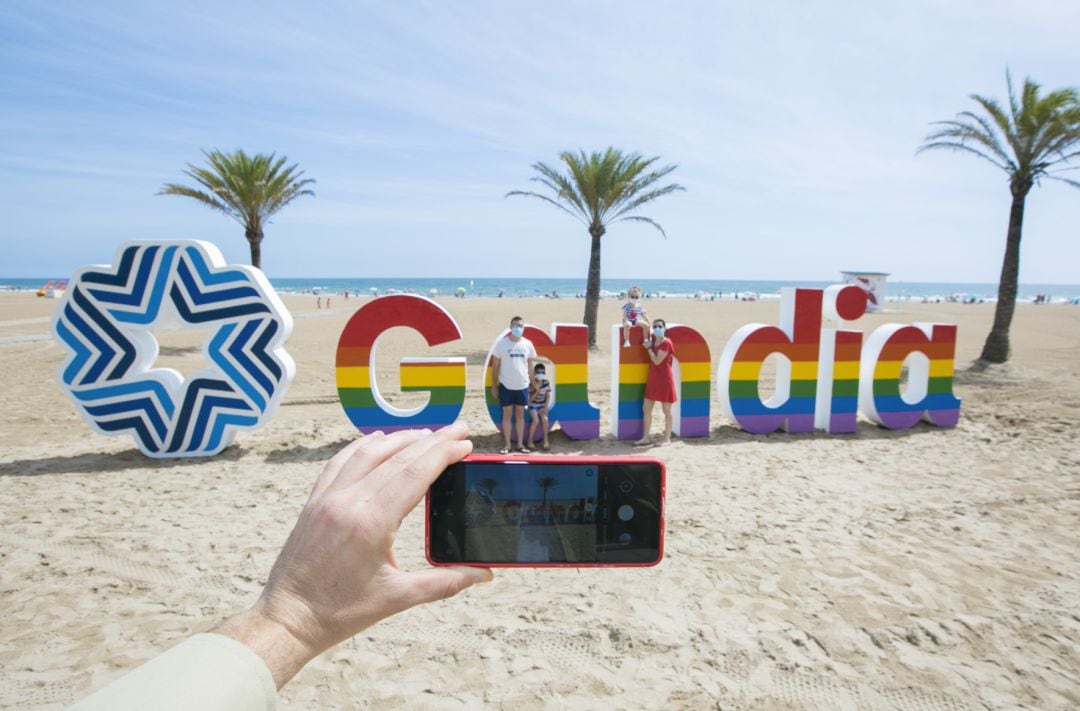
512,397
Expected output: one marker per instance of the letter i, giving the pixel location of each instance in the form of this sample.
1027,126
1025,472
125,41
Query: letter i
838,363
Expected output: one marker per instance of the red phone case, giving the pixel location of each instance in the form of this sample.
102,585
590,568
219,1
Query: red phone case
556,459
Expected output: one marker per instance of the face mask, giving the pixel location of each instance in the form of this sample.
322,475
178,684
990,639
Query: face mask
658,331
541,376
517,331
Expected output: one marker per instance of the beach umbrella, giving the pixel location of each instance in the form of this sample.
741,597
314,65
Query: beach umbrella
433,292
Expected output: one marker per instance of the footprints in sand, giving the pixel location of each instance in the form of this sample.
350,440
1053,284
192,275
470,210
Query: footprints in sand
75,559
608,663
603,661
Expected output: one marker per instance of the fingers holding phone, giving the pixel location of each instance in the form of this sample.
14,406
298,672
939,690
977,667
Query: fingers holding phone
401,480
336,574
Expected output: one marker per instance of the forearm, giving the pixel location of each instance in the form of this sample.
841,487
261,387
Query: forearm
282,652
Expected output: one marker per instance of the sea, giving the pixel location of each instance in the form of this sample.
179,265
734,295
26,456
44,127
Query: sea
545,287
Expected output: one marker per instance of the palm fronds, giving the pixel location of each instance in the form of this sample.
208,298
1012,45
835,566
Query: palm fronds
601,187
249,189
1026,139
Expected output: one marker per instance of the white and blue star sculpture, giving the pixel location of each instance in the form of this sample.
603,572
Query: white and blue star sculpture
105,324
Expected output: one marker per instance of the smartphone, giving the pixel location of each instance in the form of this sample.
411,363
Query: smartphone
547,511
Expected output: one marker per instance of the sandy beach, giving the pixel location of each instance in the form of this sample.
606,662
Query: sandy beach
919,569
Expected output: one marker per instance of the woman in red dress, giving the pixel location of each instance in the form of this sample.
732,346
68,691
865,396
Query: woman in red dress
660,387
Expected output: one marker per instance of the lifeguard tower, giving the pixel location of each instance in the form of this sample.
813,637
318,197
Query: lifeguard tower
873,283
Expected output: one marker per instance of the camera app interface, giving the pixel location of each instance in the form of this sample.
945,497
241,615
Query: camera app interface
535,513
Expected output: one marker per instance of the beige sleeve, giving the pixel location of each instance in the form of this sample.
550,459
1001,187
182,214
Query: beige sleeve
206,672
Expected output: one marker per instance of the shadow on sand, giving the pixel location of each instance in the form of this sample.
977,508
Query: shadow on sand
863,431
304,453
724,434
108,462
134,459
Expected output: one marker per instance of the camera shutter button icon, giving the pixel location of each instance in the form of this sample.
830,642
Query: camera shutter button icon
626,512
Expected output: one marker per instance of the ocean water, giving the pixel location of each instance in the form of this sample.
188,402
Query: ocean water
574,288
669,288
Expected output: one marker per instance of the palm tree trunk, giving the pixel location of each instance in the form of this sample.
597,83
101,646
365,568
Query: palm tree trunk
255,238
592,286
996,348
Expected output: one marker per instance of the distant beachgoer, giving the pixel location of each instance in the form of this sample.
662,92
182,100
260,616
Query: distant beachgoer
318,303
539,403
634,315
346,294
512,361
660,386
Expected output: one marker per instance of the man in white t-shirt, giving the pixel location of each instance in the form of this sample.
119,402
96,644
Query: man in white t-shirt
511,363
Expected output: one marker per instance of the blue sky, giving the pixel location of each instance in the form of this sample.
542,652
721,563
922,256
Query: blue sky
794,126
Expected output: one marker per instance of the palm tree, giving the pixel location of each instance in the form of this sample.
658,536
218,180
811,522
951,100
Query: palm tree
546,483
248,189
601,188
1026,140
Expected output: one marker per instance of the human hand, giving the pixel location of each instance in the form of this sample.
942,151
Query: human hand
336,574
495,392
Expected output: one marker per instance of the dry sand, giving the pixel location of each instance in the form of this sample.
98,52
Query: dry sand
923,569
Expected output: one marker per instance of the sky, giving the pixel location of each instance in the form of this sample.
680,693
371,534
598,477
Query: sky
794,126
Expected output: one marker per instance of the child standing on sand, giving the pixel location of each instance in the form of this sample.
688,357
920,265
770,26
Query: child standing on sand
634,315
660,386
539,403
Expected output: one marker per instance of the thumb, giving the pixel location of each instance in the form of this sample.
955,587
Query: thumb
433,584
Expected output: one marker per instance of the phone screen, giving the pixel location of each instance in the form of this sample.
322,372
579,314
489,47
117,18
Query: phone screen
532,513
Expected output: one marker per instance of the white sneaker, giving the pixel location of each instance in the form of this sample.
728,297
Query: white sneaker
626,344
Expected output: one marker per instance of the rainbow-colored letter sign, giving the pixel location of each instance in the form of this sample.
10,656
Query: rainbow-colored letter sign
444,378
838,367
797,340
929,350
105,324
824,376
